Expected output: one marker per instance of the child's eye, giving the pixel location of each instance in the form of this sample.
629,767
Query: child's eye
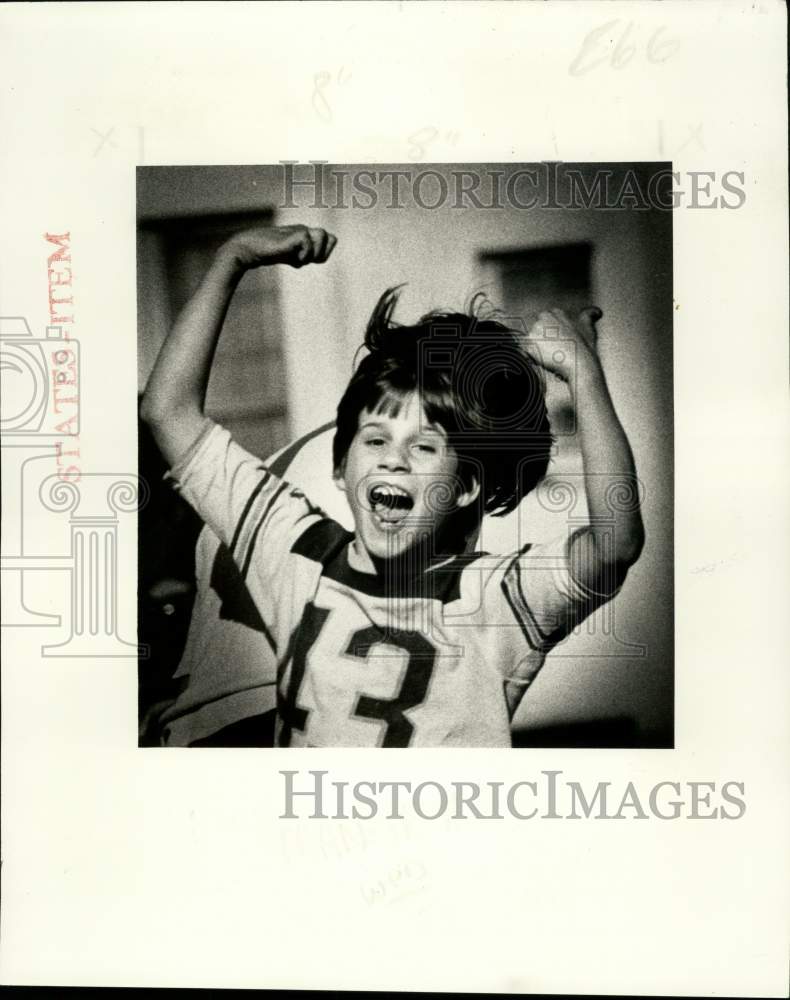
427,449
375,441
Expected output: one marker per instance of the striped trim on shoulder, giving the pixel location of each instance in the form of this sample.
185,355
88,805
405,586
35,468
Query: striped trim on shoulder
248,507
514,594
259,510
263,497
322,541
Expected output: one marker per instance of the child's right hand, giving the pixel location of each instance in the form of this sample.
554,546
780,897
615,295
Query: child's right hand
292,245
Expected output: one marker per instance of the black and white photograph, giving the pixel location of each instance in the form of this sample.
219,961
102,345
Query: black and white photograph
405,376
408,432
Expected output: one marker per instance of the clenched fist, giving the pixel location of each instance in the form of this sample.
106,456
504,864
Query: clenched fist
544,342
292,245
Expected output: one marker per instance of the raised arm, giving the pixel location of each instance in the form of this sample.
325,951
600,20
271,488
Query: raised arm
174,399
601,553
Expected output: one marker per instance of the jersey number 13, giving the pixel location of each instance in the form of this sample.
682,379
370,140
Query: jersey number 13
413,689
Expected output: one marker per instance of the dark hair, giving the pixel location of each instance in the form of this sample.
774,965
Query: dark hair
473,380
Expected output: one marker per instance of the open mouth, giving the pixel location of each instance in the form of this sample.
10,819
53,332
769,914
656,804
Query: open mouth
389,503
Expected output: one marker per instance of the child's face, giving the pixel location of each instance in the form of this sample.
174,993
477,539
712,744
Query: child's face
400,479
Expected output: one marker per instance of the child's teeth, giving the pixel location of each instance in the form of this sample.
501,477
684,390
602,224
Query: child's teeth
390,497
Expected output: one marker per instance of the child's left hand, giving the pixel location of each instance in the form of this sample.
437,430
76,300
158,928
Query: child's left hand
547,341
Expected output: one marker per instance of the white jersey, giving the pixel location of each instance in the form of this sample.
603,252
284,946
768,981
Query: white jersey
228,670
364,660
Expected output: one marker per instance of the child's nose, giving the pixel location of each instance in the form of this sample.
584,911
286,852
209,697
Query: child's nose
395,458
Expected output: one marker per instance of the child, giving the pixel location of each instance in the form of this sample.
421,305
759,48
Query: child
393,635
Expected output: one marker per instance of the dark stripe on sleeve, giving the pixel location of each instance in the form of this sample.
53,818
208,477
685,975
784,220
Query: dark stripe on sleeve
246,511
445,581
251,547
514,593
321,541
516,615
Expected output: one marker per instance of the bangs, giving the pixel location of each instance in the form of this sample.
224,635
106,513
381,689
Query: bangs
388,400
437,403
475,383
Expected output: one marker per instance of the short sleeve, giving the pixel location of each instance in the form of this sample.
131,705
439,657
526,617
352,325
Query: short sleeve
256,514
526,603
542,594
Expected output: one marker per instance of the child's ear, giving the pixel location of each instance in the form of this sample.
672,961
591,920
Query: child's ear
339,476
468,496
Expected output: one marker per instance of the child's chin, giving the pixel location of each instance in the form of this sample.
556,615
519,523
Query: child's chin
390,543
